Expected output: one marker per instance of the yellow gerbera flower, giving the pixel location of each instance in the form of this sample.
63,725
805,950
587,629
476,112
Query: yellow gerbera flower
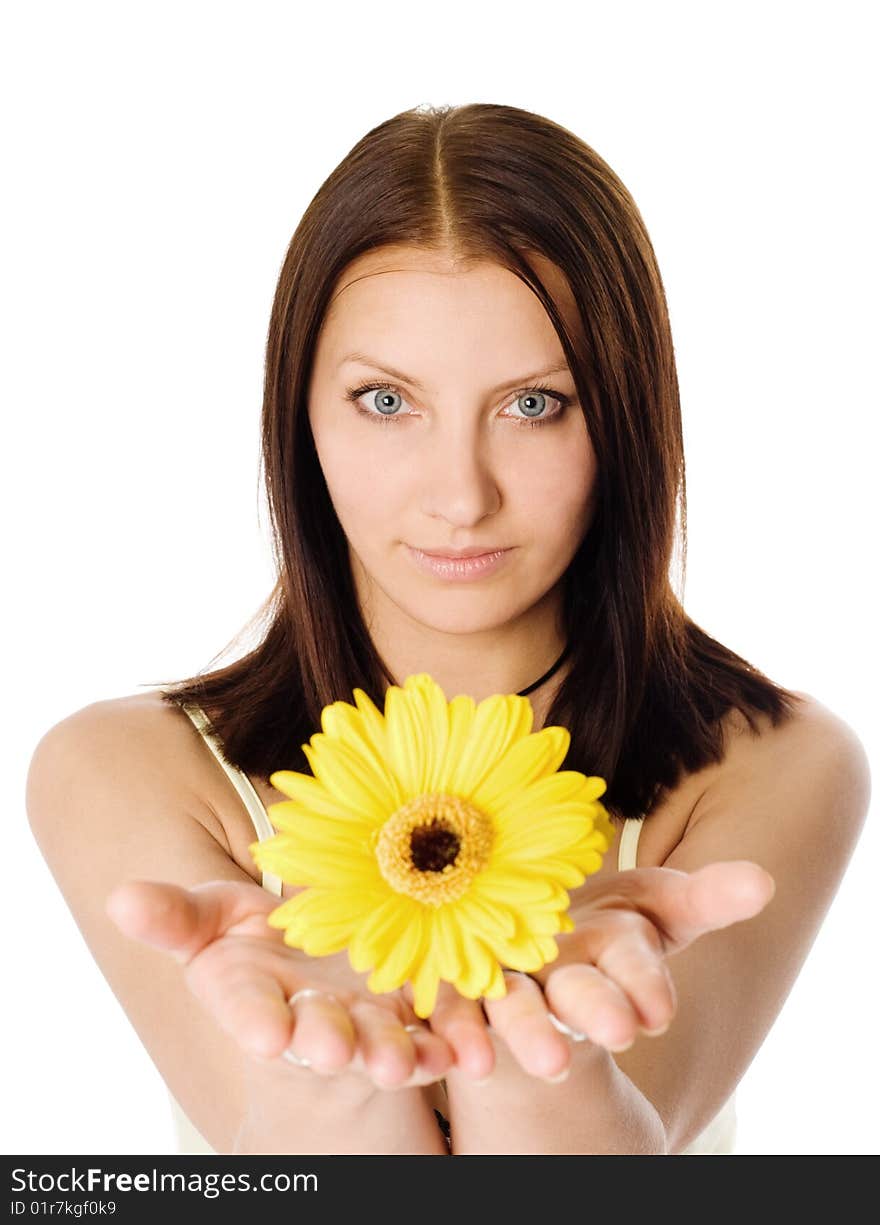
437,841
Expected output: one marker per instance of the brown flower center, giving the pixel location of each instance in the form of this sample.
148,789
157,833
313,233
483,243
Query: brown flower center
433,847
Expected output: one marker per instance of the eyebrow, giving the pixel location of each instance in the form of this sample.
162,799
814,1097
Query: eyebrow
363,359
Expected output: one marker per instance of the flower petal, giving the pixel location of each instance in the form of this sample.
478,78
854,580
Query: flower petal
544,922
423,708
404,720
446,943
549,835
350,778
548,947
500,722
497,987
403,954
564,872
323,939
289,911
425,984
478,968
528,759
299,862
435,720
524,954
564,790
461,713
383,927
357,728
291,818
373,724
478,913
514,888
326,906
309,793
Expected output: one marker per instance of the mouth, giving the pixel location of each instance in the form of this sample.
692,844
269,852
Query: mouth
472,566
461,554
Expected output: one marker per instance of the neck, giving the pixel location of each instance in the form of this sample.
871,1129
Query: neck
551,671
525,656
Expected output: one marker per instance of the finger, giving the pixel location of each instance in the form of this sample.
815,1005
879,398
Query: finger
686,905
725,893
584,998
372,1038
248,1000
461,1023
635,965
183,921
521,1018
324,1032
434,1055
386,1052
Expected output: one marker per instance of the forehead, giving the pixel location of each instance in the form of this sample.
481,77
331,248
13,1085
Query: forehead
407,288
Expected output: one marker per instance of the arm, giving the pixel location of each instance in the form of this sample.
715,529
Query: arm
104,805
793,801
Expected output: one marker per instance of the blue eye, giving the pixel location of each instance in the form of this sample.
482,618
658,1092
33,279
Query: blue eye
534,396
380,402
384,404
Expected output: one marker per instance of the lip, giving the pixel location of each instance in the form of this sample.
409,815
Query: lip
459,554
459,568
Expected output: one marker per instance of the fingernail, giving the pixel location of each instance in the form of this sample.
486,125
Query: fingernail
625,1046
555,1080
653,1033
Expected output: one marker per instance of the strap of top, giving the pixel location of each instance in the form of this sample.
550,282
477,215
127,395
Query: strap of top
242,784
629,841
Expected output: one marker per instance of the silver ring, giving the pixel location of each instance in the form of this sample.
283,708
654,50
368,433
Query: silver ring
574,1034
302,1061
306,991
292,1057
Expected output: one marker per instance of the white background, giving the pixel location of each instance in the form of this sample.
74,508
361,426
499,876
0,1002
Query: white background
157,160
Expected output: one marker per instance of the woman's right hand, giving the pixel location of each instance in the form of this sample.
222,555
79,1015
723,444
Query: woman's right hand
243,973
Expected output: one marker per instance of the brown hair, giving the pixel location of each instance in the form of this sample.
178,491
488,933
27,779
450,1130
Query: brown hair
647,688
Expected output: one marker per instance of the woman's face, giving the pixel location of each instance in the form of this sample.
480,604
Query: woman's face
463,455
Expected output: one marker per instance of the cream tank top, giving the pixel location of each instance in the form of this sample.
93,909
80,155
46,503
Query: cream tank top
718,1137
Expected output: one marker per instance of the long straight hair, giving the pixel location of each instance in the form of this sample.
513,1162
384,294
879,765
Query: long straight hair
647,688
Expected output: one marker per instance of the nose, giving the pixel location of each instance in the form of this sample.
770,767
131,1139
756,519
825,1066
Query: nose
457,480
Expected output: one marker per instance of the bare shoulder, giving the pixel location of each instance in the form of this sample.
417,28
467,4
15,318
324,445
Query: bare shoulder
810,768
143,728
147,742
814,755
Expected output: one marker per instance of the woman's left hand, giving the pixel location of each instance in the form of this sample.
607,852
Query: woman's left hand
610,981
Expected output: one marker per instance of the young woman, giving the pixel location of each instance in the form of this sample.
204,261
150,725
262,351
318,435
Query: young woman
469,353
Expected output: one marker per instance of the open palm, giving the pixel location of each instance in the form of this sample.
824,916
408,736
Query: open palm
243,973
609,981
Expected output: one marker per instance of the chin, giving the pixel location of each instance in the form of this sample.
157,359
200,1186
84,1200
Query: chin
484,614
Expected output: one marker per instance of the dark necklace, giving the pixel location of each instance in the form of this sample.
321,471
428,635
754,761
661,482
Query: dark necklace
540,681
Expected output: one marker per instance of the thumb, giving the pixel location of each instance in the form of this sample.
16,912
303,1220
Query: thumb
729,891
685,905
183,921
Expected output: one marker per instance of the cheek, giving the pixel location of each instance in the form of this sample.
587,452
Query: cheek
364,503
561,493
